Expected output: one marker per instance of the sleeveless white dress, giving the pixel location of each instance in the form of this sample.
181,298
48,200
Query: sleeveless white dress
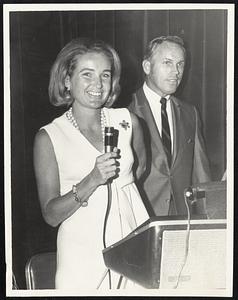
80,262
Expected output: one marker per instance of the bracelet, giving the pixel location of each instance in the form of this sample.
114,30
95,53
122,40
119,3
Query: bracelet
83,203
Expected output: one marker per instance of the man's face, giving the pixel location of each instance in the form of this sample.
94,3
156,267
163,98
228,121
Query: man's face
164,70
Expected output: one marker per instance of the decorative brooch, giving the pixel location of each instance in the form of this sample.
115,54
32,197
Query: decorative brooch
124,124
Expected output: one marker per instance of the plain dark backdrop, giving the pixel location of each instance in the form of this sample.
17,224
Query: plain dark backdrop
36,38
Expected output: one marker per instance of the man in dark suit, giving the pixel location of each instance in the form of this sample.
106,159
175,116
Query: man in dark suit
176,155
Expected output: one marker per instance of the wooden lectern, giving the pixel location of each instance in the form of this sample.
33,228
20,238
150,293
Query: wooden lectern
152,255
165,252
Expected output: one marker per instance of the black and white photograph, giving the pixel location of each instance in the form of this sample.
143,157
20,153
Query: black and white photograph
118,149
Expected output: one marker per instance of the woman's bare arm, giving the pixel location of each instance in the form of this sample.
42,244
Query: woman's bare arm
56,208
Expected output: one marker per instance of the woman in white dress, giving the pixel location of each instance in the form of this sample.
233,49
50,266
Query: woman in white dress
73,172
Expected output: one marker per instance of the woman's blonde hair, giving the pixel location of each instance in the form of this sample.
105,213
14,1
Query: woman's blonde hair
65,65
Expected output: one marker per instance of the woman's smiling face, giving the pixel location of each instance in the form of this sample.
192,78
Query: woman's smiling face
90,83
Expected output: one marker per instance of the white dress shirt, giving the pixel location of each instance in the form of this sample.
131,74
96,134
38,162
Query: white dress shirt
155,105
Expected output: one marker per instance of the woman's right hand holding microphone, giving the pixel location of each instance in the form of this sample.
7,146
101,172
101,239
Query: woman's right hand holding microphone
106,167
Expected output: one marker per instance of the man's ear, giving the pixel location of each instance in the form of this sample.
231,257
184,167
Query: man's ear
67,82
146,66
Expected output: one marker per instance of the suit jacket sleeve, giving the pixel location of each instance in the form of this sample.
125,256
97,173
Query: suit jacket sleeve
201,170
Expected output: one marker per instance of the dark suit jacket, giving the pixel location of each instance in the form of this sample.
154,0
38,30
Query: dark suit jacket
189,162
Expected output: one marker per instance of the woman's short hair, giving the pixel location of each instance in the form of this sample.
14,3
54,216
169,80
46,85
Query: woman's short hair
66,62
153,44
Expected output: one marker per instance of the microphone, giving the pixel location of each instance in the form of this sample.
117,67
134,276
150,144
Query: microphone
196,199
108,139
193,194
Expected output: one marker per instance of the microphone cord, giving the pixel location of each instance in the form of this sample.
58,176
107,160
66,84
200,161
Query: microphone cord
108,142
109,202
186,244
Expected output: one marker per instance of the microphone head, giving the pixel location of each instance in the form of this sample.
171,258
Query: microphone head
108,139
109,130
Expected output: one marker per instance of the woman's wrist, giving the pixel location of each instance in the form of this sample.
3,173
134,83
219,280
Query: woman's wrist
82,202
82,190
94,181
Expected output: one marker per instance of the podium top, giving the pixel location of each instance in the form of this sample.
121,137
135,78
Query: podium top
159,223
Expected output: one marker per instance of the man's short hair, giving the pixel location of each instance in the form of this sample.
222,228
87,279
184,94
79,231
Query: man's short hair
153,44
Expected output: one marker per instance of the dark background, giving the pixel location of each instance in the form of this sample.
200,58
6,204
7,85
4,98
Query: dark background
35,40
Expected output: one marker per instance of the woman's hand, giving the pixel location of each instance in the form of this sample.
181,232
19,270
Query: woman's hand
106,167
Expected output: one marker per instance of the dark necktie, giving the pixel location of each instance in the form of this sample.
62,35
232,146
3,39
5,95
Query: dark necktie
166,138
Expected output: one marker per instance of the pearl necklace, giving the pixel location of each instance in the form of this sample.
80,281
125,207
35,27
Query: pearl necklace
103,124
70,117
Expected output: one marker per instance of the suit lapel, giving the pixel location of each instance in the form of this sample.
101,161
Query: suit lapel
144,108
176,115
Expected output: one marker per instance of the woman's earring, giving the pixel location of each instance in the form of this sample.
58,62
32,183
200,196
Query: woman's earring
67,94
